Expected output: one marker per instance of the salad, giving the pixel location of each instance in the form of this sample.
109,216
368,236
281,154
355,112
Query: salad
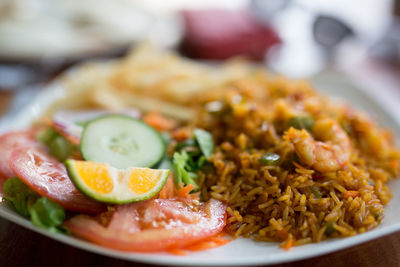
108,178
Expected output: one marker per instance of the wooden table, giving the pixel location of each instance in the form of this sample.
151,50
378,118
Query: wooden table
22,247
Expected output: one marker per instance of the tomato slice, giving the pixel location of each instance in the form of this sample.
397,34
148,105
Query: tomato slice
153,225
8,142
48,177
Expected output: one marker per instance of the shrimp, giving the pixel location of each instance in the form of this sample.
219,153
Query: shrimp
327,155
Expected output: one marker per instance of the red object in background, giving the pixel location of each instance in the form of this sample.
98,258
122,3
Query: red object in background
220,34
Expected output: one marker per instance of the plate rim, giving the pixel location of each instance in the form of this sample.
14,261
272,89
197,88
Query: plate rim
166,259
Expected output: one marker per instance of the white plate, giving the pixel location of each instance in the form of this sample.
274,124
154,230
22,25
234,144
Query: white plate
240,251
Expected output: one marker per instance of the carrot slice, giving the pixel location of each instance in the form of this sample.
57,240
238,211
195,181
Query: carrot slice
289,244
181,134
159,122
184,192
168,190
208,245
351,193
212,242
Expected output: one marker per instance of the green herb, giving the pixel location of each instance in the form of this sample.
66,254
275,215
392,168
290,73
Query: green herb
190,156
190,146
47,214
205,141
19,195
201,162
301,122
375,213
329,229
185,143
269,159
182,170
315,191
59,147
46,136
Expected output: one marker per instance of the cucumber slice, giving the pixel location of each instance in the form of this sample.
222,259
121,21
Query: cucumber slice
122,142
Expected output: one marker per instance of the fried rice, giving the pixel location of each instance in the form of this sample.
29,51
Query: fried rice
332,168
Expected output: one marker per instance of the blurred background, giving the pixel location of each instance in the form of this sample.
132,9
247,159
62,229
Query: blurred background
297,38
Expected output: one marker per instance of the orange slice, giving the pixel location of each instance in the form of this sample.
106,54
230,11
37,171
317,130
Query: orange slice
105,183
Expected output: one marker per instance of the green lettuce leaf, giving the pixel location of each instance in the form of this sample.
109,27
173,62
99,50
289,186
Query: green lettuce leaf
59,147
42,211
182,170
47,214
19,195
205,141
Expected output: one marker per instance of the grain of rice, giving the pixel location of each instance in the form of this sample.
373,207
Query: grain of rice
302,241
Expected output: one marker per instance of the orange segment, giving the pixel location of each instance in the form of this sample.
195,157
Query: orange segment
95,176
108,184
143,180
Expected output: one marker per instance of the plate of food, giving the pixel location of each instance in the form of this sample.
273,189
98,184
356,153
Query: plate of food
159,159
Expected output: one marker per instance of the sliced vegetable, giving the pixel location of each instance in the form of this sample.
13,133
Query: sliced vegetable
351,193
154,225
205,141
168,191
49,178
301,122
159,122
70,123
10,141
181,134
107,184
270,159
184,192
122,142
